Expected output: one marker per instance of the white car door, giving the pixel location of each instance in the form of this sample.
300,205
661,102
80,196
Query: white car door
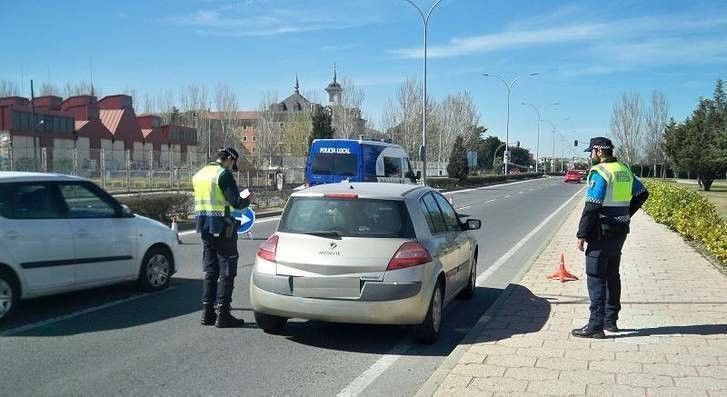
103,240
36,236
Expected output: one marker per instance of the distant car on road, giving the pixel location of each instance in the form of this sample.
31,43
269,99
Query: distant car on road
367,253
61,233
573,176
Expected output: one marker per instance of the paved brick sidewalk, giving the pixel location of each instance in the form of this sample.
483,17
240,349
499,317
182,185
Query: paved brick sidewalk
674,319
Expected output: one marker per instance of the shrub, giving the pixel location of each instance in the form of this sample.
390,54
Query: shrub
688,213
161,207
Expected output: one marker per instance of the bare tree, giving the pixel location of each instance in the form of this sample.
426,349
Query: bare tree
227,107
403,116
49,88
164,105
8,88
267,131
627,125
656,120
347,115
194,105
74,88
457,115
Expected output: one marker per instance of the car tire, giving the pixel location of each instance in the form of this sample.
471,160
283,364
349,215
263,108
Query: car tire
9,294
469,291
428,331
270,324
156,270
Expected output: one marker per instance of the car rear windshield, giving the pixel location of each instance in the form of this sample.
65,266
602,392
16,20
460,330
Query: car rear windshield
347,217
334,164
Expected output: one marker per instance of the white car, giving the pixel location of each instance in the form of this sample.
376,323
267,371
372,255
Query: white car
367,253
61,233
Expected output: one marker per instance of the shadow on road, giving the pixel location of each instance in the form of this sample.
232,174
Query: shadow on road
705,329
459,317
181,298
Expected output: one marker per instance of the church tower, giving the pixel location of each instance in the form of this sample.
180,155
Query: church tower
334,90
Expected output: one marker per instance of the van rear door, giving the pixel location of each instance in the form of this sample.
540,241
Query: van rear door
331,161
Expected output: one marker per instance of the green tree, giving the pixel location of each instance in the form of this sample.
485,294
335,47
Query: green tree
521,156
486,150
322,126
457,167
699,144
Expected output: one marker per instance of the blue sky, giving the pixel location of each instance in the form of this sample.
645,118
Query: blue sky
587,53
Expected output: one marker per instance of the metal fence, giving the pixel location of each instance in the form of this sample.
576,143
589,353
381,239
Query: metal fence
119,170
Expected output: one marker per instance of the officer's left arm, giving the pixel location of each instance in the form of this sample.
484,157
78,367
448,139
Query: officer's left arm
639,196
232,193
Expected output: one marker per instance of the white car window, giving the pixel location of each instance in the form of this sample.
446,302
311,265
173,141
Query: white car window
29,201
82,202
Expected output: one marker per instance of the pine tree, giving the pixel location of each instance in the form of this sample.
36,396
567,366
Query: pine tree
322,126
457,167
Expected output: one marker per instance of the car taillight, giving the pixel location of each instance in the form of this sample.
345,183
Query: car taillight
408,255
268,248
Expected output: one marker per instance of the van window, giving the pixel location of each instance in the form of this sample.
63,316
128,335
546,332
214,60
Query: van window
334,164
392,167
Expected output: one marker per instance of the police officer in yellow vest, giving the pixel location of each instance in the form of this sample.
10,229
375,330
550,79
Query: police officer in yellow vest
215,191
613,197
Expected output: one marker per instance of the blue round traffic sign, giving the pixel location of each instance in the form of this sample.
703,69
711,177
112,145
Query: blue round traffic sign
246,218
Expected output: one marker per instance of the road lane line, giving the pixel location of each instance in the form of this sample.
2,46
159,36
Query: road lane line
498,264
375,370
387,360
53,320
493,186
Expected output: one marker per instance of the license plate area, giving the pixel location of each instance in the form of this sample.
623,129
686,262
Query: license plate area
327,287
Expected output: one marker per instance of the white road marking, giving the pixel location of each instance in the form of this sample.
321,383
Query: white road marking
466,206
508,196
264,220
53,320
520,192
492,186
503,259
375,370
387,360
489,201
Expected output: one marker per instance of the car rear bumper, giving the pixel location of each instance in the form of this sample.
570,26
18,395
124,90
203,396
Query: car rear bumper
379,303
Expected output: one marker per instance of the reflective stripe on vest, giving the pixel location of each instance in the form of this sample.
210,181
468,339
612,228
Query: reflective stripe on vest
620,183
209,200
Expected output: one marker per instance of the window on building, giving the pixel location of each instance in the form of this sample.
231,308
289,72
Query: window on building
244,139
253,138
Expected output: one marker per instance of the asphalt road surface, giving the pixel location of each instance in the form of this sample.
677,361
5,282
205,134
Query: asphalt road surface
117,341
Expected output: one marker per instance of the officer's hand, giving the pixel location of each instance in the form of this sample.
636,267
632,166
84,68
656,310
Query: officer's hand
581,244
251,197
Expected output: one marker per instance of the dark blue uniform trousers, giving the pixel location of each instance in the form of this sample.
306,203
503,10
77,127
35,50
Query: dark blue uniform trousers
219,264
603,259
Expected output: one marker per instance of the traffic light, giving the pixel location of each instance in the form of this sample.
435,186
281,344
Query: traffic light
575,143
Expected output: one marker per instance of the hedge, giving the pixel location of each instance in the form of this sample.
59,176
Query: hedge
478,180
688,213
161,207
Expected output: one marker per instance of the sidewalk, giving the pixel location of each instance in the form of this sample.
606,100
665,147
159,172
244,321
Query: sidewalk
674,321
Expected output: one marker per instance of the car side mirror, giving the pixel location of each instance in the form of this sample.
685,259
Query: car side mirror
473,224
126,211
419,175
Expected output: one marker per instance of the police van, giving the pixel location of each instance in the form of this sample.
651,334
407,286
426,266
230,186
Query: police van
336,160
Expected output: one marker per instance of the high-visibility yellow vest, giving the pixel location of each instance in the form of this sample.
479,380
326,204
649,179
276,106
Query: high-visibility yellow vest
209,200
619,183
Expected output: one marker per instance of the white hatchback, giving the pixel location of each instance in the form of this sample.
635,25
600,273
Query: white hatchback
61,233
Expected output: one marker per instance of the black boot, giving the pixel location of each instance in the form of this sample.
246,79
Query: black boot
611,327
588,332
225,319
208,314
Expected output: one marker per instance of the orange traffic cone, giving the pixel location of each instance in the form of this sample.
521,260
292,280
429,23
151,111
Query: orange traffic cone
174,226
562,273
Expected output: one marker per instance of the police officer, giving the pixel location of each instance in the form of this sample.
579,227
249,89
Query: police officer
215,191
613,197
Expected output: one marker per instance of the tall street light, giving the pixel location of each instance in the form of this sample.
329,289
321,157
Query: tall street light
508,87
552,160
540,119
423,149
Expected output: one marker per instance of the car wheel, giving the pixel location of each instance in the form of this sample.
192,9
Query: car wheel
270,324
428,331
469,291
9,295
156,270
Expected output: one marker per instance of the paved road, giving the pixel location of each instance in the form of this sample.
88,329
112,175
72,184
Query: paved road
117,341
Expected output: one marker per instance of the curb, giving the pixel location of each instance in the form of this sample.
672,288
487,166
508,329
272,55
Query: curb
435,380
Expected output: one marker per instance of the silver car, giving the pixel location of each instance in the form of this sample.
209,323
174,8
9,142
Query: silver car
367,253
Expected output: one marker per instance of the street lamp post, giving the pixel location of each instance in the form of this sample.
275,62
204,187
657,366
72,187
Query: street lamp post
552,160
423,149
508,87
540,119
494,156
